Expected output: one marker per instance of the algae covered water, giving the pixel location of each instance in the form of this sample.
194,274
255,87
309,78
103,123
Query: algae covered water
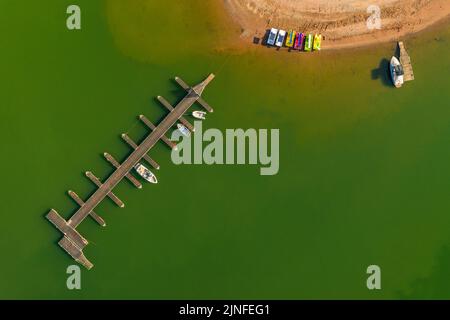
364,168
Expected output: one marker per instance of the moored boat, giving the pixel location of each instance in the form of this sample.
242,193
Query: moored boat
396,70
184,131
308,42
317,41
199,115
145,173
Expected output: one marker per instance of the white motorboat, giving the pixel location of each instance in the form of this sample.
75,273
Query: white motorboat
397,72
145,173
199,115
184,131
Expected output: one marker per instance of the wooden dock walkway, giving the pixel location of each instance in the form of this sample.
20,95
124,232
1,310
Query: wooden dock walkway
169,107
72,242
164,138
200,99
110,194
129,176
146,157
405,60
80,202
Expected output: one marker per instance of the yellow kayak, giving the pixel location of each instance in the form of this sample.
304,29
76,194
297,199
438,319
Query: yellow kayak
290,39
317,41
308,42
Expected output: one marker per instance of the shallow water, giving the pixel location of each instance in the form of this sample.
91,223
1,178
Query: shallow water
363,177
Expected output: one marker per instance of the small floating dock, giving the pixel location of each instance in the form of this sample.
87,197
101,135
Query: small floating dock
405,60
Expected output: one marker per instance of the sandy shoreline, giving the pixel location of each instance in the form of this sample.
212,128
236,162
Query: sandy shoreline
342,22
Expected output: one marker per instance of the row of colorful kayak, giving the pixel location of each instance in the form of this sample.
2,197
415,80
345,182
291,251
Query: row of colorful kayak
295,40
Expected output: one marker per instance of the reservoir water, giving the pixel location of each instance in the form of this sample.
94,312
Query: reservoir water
364,168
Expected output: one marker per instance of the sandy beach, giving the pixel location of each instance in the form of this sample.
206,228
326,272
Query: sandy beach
343,23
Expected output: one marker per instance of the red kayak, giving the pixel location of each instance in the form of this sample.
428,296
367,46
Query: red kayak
299,39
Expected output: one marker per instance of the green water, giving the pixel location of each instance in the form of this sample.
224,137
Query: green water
364,168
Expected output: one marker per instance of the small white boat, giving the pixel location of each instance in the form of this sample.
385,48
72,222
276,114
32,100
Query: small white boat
199,115
396,70
145,173
184,131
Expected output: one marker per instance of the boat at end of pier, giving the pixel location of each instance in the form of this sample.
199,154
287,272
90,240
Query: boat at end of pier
145,173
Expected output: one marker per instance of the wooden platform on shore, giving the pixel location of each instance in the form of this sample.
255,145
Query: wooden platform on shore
405,60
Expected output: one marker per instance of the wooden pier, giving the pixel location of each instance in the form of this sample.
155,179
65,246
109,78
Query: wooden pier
169,107
72,242
129,176
80,202
133,144
200,99
405,60
110,194
164,138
